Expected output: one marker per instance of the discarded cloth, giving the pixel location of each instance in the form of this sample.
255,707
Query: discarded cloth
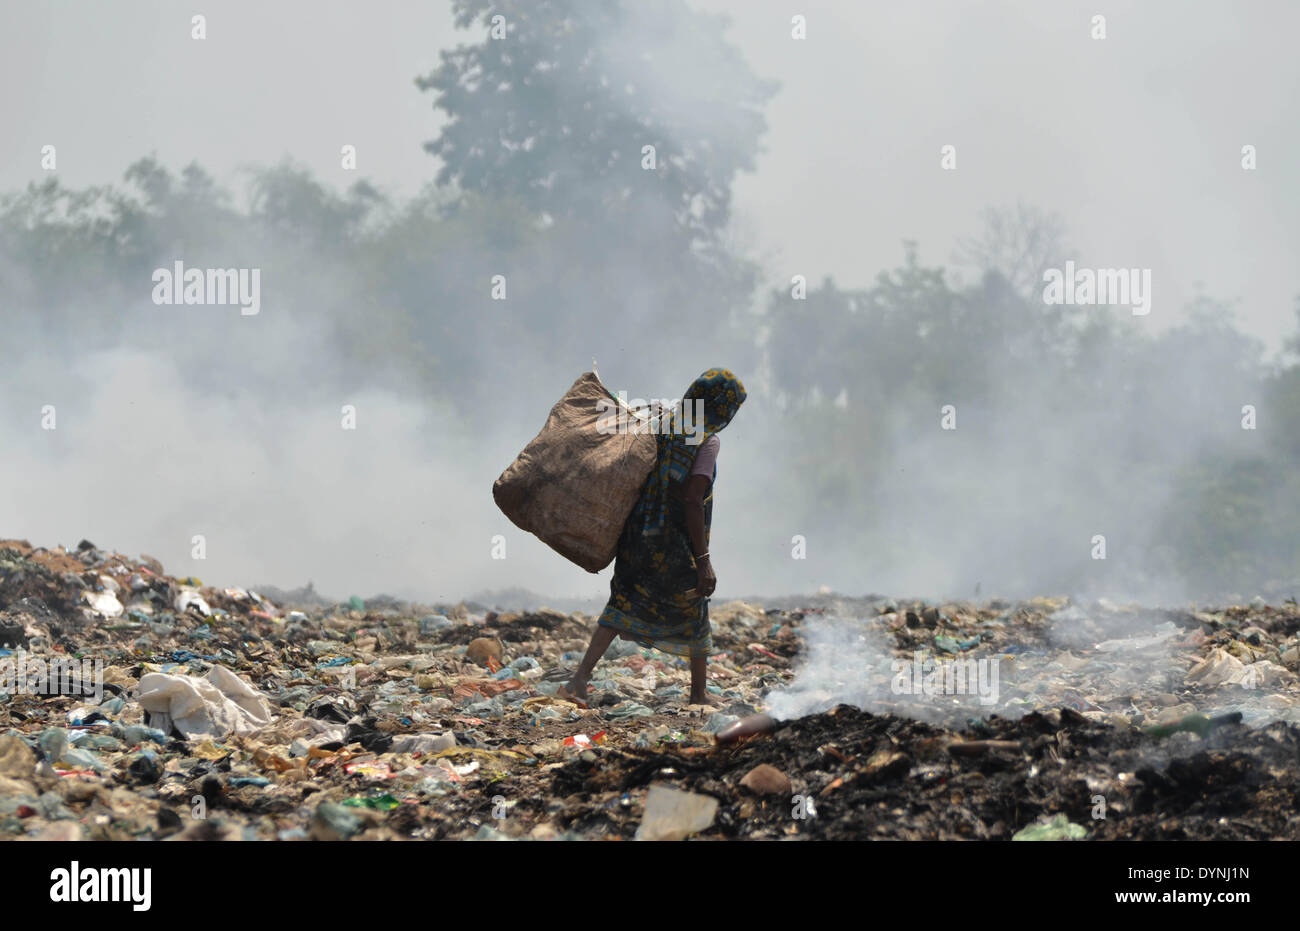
217,706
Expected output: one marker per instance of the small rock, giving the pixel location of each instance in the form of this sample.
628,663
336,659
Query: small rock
765,779
481,648
17,761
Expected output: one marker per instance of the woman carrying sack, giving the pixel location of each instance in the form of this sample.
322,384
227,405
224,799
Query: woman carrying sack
662,575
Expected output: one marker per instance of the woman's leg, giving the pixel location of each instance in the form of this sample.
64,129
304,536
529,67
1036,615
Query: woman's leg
699,691
600,641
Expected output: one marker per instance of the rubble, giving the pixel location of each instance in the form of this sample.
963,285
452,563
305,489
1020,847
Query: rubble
178,710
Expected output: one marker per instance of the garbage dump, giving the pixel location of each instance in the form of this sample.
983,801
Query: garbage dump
139,705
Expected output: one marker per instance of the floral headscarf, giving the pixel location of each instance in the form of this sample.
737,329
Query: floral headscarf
722,394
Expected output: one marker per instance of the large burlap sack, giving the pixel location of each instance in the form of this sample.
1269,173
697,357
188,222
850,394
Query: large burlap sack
574,486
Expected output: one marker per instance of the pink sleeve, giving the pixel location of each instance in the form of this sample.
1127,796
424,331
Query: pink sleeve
707,457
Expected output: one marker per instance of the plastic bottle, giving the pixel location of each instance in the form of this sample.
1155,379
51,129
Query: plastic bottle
746,727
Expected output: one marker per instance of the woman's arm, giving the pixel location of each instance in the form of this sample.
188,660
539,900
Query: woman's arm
697,488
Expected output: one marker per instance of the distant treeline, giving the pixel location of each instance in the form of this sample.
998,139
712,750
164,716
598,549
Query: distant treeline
582,207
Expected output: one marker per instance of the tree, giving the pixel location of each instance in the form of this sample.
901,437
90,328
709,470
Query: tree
1018,243
621,252
556,110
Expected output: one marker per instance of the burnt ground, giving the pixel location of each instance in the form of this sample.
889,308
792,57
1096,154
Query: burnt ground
879,776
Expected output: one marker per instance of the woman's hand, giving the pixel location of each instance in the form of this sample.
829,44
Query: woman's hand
706,580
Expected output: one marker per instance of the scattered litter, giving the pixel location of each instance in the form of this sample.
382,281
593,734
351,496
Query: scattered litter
380,719
671,814
1058,828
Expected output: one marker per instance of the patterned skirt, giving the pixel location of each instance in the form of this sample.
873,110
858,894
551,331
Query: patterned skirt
653,599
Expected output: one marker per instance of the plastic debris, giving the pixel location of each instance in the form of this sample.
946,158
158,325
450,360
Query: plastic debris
288,715
671,814
1058,828
218,705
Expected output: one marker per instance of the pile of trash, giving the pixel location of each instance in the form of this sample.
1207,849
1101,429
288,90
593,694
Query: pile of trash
137,705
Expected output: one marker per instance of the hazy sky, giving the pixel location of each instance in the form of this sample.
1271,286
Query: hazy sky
1135,139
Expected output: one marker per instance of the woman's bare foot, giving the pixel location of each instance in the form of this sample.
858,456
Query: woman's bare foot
575,691
706,699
